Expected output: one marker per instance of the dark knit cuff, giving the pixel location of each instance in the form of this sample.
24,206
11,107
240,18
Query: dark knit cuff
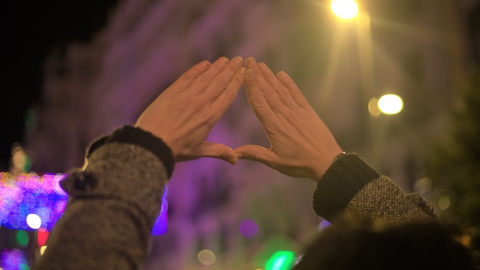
139,137
343,179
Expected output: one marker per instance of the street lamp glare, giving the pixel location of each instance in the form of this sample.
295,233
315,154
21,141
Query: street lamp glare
345,9
390,104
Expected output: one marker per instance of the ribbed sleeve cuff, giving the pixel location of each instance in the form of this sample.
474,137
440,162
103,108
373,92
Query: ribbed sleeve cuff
139,137
343,179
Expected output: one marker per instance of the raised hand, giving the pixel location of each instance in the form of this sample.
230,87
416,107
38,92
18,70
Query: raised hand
301,144
185,113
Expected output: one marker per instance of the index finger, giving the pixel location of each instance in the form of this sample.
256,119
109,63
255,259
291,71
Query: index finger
255,97
187,78
279,88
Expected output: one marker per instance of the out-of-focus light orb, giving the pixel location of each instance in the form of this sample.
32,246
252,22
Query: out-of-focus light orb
42,250
444,202
249,228
280,260
345,9
390,104
422,186
34,221
206,257
22,238
42,236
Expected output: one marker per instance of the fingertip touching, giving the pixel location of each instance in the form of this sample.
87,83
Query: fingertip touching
237,60
250,62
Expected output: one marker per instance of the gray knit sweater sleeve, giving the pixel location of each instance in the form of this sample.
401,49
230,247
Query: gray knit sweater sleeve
350,186
112,206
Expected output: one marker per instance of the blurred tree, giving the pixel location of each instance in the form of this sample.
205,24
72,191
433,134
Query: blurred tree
454,165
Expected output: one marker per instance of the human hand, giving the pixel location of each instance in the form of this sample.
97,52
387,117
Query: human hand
301,144
185,113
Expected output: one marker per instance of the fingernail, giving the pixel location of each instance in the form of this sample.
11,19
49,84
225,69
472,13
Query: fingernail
205,63
223,60
251,61
237,60
283,74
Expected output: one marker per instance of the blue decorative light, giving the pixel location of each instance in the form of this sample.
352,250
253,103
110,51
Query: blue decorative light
13,260
42,197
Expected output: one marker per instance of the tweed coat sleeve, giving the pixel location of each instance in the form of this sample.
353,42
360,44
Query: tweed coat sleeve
350,186
112,206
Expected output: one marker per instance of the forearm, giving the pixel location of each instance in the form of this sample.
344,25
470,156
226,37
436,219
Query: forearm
350,186
113,204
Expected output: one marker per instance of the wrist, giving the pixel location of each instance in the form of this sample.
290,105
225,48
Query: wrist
139,137
328,161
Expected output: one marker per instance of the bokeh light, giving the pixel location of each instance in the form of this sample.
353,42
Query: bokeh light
206,257
30,193
249,228
390,104
13,259
42,250
422,186
22,238
280,260
42,236
444,202
345,9
34,221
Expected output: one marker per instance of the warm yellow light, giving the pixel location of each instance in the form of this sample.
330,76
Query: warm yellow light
373,107
206,257
345,9
390,104
444,202
42,250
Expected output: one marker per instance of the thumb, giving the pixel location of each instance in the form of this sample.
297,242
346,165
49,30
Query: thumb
220,151
256,153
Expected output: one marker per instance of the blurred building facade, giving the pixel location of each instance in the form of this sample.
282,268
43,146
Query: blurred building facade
416,49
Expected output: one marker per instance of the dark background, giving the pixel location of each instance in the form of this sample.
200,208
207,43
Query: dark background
29,31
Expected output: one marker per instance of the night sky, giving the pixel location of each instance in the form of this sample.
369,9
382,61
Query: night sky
29,30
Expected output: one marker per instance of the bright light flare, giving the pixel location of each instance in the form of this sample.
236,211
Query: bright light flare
34,221
345,9
390,104
280,260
